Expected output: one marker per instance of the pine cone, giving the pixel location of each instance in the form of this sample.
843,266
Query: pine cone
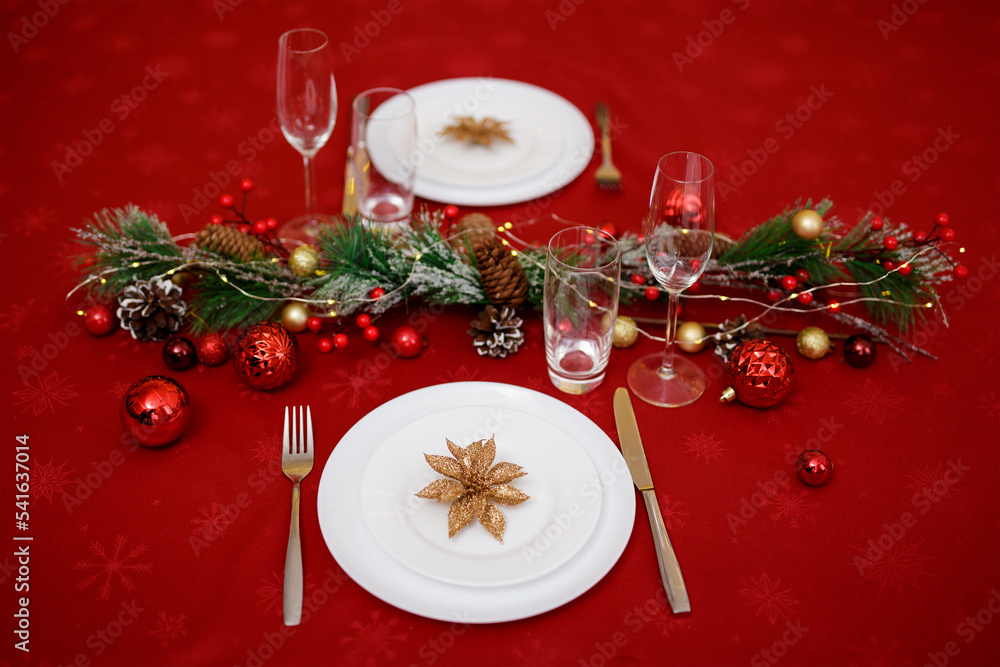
497,332
726,340
503,277
230,241
476,227
151,310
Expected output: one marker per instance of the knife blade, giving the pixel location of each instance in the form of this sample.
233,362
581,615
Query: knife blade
349,205
635,459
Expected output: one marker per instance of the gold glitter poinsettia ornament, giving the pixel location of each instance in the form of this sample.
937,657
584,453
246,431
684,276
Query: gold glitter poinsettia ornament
473,486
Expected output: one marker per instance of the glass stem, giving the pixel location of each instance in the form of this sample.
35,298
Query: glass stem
310,170
667,368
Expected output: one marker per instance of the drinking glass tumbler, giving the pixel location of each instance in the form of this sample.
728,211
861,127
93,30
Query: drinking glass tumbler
580,304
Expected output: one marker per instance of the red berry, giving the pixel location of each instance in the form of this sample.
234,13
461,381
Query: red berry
260,228
371,334
651,293
695,264
805,298
773,295
589,238
888,265
802,275
246,185
609,228
960,271
216,219
377,293
272,223
695,287
920,237
325,344
226,201
450,212
789,282
876,223
638,279
890,243
407,342
340,341
314,324
905,269
244,229
941,219
364,320
99,320
948,234
834,307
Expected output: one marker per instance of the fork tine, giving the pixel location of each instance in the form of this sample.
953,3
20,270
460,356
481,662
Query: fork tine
309,431
285,444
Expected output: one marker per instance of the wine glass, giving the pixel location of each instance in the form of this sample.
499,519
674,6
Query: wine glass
307,110
679,231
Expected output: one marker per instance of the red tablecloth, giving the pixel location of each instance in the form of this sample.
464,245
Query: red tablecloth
891,106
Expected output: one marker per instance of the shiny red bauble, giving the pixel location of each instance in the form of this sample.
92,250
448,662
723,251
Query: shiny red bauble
876,223
377,293
941,219
371,334
325,345
638,279
266,356
859,351
450,212
407,342
948,234
651,293
212,349
226,201
890,242
813,467
805,298
789,282
314,324
99,320
363,320
179,353
340,341
246,185
155,410
961,271
760,373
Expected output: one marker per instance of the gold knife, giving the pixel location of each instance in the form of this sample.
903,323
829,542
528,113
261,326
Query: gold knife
349,206
635,458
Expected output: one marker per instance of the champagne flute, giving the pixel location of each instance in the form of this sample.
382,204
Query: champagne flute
679,231
307,110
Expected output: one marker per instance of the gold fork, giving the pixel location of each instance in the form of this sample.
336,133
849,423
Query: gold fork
608,176
296,463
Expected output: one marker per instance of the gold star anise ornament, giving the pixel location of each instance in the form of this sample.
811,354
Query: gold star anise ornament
472,484
482,132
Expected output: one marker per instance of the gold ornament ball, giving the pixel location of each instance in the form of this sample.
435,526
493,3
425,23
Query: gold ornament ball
626,332
807,224
303,261
294,317
813,343
691,337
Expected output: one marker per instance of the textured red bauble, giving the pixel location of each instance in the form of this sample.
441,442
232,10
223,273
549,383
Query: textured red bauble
155,410
760,373
246,185
99,320
314,324
948,234
407,342
859,351
450,212
340,341
813,467
325,345
789,282
212,349
890,243
179,353
941,219
226,201
363,320
371,334
266,356
651,293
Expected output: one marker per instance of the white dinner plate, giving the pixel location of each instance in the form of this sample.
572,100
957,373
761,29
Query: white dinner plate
552,142
385,539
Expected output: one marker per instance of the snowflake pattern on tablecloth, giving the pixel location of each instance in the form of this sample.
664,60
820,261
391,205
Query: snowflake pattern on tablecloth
898,566
986,348
771,600
874,401
673,515
118,389
929,484
48,479
702,445
373,640
23,352
990,404
873,654
44,393
109,567
168,627
356,386
37,220
15,315
213,521
533,652
590,404
792,506
460,374
942,389
268,449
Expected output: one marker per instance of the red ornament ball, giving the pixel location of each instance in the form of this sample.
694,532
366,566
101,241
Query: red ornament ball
266,356
179,353
450,212
941,219
789,282
371,334
340,341
364,320
948,234
651,293
859,351
760,373
325,345
890,243
314,324
212,349
407,342
99,320
155,410
226,201
813,467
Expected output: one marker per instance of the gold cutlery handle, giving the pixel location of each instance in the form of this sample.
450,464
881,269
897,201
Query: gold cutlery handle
670,569
292,601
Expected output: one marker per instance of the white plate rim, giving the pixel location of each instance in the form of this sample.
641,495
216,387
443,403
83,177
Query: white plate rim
578,139
362,558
